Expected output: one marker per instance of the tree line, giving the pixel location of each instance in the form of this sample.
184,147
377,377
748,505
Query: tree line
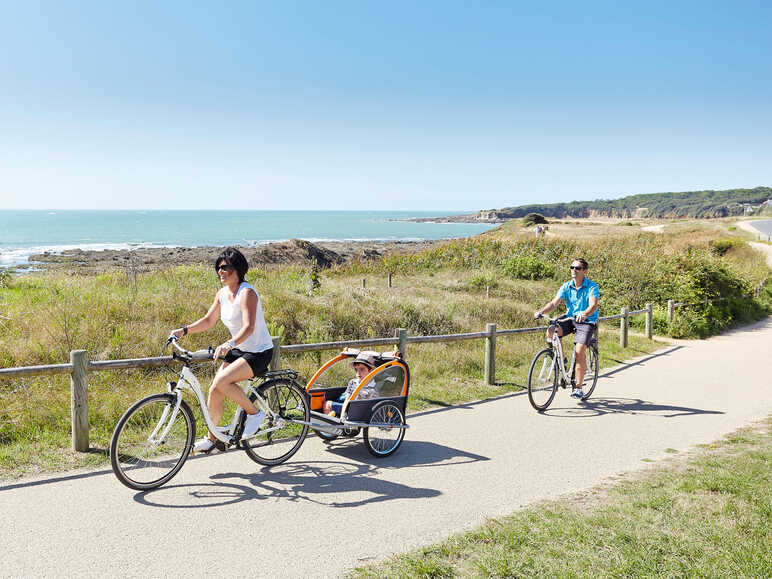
698,204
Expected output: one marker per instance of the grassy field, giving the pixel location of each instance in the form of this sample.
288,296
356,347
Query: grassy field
708,514
455,287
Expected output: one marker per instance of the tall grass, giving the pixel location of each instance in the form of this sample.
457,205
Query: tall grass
125,314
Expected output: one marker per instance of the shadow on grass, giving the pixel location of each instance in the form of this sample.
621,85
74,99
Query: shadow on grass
63,478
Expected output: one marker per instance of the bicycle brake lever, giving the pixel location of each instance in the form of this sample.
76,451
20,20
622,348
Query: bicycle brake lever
168,341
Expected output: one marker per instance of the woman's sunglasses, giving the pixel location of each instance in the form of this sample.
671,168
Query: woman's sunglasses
224,267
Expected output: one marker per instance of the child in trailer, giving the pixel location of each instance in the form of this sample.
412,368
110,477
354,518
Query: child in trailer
363,365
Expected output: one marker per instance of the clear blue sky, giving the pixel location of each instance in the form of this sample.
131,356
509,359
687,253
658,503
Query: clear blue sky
379,105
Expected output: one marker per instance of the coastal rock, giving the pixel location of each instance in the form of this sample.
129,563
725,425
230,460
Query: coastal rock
294,251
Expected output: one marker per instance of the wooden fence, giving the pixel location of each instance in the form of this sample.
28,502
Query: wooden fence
80,365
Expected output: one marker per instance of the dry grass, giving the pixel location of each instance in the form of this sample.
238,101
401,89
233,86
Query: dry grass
127,314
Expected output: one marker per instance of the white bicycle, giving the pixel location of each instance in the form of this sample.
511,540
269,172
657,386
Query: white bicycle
548,370
153,439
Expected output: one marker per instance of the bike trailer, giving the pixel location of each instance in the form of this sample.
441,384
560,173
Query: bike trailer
377,405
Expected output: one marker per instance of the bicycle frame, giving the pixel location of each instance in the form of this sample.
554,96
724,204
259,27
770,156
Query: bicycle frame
567,375
226,434
557,345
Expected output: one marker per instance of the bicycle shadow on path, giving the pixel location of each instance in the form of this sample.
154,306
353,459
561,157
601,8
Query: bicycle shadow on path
621,367
321,482
611,406
318,482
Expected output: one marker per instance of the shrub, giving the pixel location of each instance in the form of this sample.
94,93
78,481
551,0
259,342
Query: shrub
528,267
482,281
534,219
721,246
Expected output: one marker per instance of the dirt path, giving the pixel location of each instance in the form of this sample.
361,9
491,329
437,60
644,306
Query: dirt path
334,507
764,248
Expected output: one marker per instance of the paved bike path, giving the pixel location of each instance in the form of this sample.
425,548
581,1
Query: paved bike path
333,507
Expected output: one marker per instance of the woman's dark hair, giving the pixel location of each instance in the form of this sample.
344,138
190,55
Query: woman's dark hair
235,258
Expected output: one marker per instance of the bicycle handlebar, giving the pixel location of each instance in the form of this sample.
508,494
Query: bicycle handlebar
555,320
207,354
546,317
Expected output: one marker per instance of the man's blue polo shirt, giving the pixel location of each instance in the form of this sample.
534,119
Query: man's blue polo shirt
578,299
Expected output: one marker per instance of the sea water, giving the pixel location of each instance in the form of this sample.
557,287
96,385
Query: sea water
24,233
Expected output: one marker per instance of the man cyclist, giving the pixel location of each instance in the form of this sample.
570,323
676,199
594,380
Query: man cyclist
581,296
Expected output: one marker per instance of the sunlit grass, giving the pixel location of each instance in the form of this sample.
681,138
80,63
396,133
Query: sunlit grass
455,287
706,515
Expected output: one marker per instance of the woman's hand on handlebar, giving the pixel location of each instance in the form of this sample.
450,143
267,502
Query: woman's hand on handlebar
178,333
222,350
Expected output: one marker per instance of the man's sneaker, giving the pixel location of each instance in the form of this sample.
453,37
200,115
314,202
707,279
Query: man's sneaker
577,393
253,423
204,445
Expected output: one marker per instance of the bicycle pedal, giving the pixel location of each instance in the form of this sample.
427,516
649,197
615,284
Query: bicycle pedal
220,445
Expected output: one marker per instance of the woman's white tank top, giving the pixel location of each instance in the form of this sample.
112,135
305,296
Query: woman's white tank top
230,314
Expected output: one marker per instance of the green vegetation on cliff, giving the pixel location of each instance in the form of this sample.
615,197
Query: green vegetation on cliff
696,204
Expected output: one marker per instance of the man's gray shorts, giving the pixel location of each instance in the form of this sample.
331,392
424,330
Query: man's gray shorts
584,331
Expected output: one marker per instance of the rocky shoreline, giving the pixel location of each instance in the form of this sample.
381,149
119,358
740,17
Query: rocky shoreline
294,251
493,216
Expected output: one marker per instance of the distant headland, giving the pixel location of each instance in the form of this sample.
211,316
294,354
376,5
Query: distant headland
694,204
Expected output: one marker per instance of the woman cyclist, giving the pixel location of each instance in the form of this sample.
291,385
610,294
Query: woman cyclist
246,354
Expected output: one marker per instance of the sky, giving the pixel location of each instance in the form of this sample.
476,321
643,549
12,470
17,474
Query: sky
414,105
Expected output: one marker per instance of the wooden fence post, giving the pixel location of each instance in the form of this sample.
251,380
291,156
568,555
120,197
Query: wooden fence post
79,399
649,321
670,308
490,354
623,328
389,279
364,283
276,358
401,335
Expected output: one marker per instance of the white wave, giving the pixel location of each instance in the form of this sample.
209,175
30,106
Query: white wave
10,257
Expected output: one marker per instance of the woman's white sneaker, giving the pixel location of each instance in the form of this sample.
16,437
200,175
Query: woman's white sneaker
204,445
253,423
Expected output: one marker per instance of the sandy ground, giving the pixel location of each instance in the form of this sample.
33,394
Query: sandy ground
748,226
333,507
762,247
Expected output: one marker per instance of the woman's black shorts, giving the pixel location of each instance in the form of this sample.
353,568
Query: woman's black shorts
258,361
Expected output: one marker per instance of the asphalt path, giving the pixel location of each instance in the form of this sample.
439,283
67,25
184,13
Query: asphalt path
333,507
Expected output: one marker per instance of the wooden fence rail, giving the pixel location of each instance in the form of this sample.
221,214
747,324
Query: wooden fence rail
80,365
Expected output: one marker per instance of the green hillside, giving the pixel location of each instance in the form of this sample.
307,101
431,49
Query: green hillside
697,204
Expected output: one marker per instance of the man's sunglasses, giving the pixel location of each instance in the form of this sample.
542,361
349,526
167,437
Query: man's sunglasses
577,267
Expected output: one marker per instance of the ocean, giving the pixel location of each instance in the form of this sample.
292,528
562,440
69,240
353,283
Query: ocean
24,233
